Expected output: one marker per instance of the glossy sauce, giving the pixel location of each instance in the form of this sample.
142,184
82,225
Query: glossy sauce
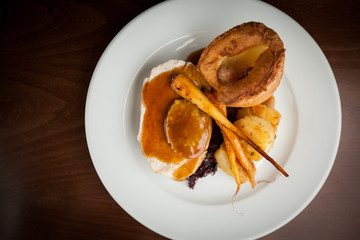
158,97
188,168
195,56
187,128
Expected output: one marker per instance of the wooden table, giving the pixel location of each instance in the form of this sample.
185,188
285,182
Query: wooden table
48,185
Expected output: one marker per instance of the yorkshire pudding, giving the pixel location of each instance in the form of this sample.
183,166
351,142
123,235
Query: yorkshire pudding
244,65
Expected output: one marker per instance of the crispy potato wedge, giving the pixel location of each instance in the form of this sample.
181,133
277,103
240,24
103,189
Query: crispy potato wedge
261,111
221,157
268,114
260,131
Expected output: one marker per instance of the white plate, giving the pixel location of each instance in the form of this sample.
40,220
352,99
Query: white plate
306,145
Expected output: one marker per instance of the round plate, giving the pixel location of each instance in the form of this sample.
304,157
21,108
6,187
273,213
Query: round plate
306,144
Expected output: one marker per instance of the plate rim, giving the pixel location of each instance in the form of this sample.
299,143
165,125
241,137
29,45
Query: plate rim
164,233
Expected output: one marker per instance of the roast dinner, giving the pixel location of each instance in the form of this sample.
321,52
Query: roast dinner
215,109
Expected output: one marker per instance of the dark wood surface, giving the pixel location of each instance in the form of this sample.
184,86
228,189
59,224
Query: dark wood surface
48,186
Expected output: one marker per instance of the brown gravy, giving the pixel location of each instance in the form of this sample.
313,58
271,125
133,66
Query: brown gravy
188,129
158,97
195,56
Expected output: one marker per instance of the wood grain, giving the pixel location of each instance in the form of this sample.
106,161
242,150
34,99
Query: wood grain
48,186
